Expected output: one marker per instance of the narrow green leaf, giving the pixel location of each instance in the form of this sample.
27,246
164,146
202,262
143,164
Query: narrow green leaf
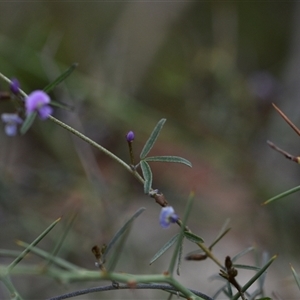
121,231
296,276
150,142
219,291
254,278
242,253
60,78
221,234
9,253
113,260
229,289
261,279
219,237
34,243
181,234
60,240
56,260
193,237
147,174
28,122
169,158
164,248
179,259
61,105
284,194
246,267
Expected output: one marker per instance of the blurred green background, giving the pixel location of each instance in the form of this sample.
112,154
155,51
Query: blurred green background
213,70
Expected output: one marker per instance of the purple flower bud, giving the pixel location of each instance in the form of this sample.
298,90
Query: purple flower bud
15,86
38,102
11,123
130,136
167,216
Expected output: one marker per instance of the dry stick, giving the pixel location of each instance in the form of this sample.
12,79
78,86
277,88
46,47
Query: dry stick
286,154
295,128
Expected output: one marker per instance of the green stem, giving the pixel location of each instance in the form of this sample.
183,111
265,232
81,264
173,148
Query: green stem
111,155
85,275
203,247
13,292
91,142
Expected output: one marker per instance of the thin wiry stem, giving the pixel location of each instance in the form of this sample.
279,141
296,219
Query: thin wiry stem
286,154
295,128
139,286
114,157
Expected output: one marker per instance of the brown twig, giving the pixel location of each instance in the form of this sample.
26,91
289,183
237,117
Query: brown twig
286,154
295,128
230,275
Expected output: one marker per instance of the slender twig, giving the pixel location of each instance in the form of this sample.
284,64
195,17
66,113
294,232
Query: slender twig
295,128
286,154
139,286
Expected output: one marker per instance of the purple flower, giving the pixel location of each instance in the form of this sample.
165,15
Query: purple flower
11,123
15,86
38,102
130,136
167,216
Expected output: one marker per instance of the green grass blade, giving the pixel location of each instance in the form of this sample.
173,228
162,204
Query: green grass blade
282,195
121,231
152,139
59,262
118,250
246,267
219,237
181,234
9,253
60,78
179,259
61,105
254,278
242,253
61,240
169,158
221,234
218,292
34,243
28,122
261,279
147,174
193,237
164,248
296,276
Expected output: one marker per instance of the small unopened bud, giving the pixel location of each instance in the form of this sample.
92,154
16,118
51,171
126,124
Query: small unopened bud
15,86
130,136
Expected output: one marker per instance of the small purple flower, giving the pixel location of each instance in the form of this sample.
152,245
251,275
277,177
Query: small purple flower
167,216
38,101
15,86
130,136
11,123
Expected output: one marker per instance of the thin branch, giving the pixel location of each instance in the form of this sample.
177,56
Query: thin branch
286,154
295,128
139,286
